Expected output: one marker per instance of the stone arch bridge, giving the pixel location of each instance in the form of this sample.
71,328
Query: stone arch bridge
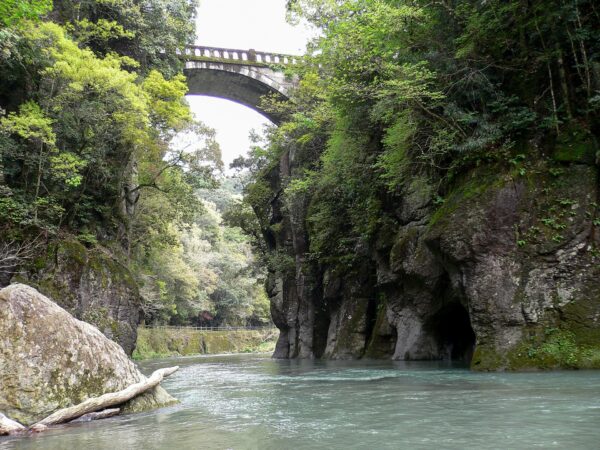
243,76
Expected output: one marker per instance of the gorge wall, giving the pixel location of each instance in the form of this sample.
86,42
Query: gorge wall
91,284
502,275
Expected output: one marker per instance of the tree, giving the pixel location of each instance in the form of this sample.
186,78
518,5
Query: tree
13,12
393,90
148,31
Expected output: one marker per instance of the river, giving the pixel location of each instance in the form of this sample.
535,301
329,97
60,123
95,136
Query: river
254,402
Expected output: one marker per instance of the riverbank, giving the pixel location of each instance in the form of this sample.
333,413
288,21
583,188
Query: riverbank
165,342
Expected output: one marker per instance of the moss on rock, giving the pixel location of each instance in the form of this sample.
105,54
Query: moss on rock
91,284
164,342
50,360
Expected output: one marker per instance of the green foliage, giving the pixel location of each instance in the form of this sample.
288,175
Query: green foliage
281,262
339,195
149,31
99,142
93,123
30,124
561,346
100,32
394,161
165,342
13,12
204,267
169,111
390,90
67,167
558,348
302,185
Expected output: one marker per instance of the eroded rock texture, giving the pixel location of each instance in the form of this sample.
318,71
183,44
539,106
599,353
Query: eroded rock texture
49,360
90,284
505,274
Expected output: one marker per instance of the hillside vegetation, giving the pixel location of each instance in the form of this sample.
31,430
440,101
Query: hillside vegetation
433,187
101,160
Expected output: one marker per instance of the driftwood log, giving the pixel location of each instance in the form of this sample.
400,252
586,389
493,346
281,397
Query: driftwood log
8,426
97,415
107,400
90,406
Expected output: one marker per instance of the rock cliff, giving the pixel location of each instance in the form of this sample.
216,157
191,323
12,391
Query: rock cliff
49,360
90,284
504,274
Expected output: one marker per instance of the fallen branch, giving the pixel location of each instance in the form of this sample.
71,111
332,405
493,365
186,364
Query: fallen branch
97,415
8,426
106,400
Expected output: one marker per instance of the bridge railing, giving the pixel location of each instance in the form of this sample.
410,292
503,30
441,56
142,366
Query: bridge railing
176,327
238,56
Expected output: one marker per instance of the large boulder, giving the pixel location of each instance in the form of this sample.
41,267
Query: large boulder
50,360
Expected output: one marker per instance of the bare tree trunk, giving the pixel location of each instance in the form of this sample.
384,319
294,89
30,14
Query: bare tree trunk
550,78
586,63
38,182
563,82
1,168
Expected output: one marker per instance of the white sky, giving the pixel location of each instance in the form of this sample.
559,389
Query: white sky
243,24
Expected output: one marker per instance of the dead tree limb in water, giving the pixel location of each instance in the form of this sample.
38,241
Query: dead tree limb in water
97,415
8,426
104,401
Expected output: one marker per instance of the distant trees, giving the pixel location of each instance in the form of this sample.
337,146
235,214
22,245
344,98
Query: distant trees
205,267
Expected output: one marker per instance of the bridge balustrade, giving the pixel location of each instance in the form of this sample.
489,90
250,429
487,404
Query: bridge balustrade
236,55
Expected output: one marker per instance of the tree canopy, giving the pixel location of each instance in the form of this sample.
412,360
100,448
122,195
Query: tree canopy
394,90
97,141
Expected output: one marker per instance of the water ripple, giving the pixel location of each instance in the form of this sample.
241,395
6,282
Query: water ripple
250,402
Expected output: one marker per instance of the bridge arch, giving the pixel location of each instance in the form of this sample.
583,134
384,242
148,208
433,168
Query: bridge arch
238,75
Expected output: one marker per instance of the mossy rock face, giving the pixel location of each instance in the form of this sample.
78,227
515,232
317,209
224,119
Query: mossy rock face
515,243
383,338
92,285
486,358
472,190
50,360
522,254
416,200
547,347
164,342
403,248
348,339
576,145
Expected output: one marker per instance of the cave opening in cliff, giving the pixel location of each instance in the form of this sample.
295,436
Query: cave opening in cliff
451,328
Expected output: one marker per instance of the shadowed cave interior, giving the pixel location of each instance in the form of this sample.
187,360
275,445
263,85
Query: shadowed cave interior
451,329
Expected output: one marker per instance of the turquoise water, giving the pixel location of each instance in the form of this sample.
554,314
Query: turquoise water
254,402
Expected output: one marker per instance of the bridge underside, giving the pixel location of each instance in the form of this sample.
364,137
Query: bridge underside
241,84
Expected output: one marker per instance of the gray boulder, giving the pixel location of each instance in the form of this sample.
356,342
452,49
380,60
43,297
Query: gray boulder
50,360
